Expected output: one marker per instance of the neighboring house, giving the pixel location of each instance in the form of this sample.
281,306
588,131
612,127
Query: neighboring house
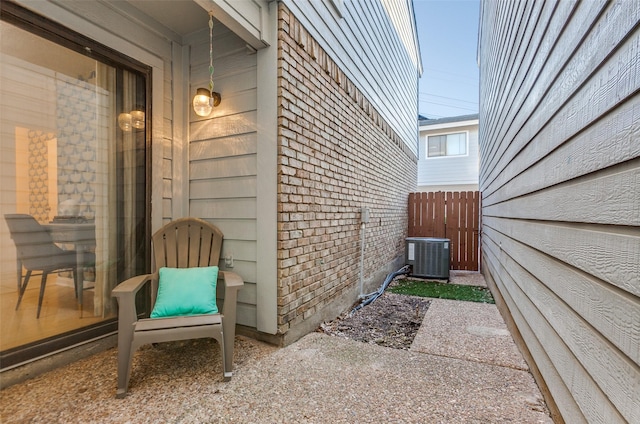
448,154
560,183
316,122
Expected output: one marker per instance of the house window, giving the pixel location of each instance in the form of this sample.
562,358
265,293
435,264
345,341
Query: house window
447,145
74,154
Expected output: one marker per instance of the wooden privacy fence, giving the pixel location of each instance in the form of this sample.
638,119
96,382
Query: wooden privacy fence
452,215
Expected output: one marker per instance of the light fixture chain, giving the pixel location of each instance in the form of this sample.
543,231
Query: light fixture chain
211,54
206,99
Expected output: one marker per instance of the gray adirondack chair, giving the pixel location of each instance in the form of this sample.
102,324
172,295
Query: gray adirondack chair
184,243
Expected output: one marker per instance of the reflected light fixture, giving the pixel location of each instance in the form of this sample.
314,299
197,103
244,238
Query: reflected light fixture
131,120
137,119
205,98
124,122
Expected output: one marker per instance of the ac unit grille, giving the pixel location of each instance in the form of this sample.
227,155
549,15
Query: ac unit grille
429,257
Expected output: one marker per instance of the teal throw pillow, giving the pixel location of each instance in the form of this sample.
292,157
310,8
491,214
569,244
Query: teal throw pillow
186,291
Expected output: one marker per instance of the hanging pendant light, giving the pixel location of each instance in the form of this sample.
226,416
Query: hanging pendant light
205,99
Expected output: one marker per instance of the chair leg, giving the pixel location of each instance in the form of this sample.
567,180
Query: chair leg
229,336
43,283
126,349
124,371
79,286
75,281
226,372
23,287
19,272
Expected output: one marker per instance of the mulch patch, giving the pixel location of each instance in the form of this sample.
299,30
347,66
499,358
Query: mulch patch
392,320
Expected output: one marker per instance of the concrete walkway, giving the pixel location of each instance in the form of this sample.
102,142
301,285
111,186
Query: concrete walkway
463,367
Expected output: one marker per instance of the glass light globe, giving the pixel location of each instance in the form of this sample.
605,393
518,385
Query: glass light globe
202,102
125,121
137,119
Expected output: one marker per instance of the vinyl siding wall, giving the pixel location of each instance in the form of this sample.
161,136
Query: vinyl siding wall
223,155
560,180
449,170
367,45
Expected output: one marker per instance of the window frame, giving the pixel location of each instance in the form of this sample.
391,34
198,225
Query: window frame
447,133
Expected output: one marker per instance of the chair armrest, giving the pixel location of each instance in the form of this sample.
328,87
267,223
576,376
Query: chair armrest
125,292
231,280
128,288
232,283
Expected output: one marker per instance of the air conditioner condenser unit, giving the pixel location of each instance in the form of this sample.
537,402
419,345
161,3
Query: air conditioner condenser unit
428,257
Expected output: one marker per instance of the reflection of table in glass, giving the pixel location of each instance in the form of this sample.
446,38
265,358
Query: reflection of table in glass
82,236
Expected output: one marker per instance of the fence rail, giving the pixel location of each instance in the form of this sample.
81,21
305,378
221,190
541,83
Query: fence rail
452,215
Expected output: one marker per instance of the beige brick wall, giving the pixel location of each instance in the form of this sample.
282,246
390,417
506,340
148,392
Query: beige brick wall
336,154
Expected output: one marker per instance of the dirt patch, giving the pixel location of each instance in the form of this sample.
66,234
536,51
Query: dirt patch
392,320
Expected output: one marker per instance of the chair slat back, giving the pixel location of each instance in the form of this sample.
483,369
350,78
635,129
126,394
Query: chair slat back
187,243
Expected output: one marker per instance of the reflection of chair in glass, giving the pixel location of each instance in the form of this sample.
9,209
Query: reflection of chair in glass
37,252
186,243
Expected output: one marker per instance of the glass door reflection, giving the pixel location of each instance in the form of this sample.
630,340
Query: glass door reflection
68,164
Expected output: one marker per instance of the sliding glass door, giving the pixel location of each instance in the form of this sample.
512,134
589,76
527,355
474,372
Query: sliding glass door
74,160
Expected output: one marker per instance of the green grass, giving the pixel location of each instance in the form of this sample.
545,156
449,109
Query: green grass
443,291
